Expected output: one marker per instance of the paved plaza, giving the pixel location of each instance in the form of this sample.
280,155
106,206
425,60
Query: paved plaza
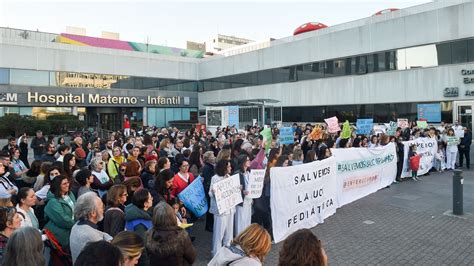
401,225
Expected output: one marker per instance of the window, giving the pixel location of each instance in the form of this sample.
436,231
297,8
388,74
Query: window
4,76
382,61
340,67
470,50
444,53
361,65
371,63
329,69
459,51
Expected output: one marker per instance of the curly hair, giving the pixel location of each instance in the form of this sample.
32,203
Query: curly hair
302,248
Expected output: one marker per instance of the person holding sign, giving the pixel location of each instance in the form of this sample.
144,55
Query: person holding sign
452,142
224,222
243,213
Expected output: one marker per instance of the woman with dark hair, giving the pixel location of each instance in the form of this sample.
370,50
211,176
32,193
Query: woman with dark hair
85,179
18,166
69,166
59,210
250,247
163,164
100,253
223,222
282,161
195,162
137,218
243,211
183,178
148,175
302,248
114,216
26,200
51,173
166,243
10,221
132,171
132,184
164,185
24,247
29,178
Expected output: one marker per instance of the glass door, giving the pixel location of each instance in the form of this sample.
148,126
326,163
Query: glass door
462,112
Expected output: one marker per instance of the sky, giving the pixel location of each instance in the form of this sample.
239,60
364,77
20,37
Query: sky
173,23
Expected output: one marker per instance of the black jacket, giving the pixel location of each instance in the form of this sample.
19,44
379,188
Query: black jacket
466,141
207,174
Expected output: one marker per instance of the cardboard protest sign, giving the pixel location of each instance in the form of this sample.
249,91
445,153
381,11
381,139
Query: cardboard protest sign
333,124
346,130
402,122
255,186
317,133
422,124
392,128
267,136
364,126
228,193
286,135
194,197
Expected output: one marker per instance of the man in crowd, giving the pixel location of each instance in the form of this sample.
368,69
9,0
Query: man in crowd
38,143
63,150
88,211
49,155
11,145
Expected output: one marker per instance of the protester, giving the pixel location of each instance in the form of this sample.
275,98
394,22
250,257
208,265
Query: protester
88,211
250,247
148,174
114,164
24,247
243,212
38,143
26,199
452,142
465,148
207,174
183,178
59,210
100,253
136,216
302,248
131,245
85,178
114,218
165,242
101,181
10,221
6,185
223,222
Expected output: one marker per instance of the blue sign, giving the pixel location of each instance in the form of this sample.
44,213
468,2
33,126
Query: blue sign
194,198
430,112
233,116
364,126
286,135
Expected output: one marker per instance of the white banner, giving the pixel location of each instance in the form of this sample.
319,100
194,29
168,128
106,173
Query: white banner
427,147
302,196
362,171
256,178
228,193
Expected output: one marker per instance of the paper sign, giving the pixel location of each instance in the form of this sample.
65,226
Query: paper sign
333,124
422,124
256,183
267,135
194,197
364,126
286,135
346,130
392,128
452,140
402,122
317,133
228,193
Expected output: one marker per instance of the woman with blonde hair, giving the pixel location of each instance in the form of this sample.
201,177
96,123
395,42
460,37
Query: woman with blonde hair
131,245
249,248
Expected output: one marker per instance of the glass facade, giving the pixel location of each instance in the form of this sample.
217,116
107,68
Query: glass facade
455,52
90,80
161,116
381,113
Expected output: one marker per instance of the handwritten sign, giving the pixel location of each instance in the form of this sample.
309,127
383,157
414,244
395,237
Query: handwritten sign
333,124
267,136
452,140
286,135
402,122
194,197
256,183
228,193
364,126
392,128
422,124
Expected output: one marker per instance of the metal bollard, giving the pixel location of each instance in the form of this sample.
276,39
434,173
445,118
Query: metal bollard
457,192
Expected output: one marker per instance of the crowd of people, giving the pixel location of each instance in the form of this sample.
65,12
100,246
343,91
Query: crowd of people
115,201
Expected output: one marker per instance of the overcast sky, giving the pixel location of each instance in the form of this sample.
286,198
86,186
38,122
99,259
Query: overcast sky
172,23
